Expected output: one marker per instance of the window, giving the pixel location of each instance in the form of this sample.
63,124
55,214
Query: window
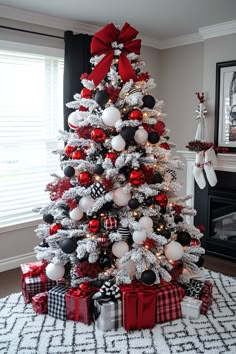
31,112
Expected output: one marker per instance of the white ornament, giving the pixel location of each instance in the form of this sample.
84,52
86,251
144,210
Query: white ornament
86,203
110,116
141,136
118,143
55,271
146,222
174,251
120,197
139,236
120,248
76,214
73,120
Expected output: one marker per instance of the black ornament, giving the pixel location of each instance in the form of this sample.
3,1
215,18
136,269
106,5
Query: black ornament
104,261
107,206
124,170
149,201
184,238
149,101
148,277
68,245
153,137
127,133
97,190
163,210
48,218
157,178
101,97
166,233
133,203
200,262
178,218
69,171
98,169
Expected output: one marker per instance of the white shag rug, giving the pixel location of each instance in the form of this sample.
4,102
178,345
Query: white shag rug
24,332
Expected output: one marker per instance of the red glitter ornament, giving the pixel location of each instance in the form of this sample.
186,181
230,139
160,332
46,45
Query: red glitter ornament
136,178
94,225
195,242
136,114
159,127
85,179
165,146
148,172
58,188
112,156
69,150
84,132
147,127
110,223
103,241
149,243
113,93
107,184
98,135
78,155
86,93
86,269
143,76
54,228
161,199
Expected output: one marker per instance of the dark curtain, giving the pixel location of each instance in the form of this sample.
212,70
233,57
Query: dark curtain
76,62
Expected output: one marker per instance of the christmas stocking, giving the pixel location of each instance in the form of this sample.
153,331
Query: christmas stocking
210,157
198,170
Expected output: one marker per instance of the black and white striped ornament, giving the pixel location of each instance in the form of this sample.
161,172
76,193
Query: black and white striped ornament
124,232
97,190
109,291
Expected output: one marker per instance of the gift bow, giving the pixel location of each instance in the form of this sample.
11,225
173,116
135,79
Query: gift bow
82,291
110,41
35,270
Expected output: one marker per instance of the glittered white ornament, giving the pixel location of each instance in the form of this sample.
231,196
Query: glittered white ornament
120,197
76,214
55,271
110,116
174,251
139,237
73,120
86,203
141,136
118,143
120,248
146,222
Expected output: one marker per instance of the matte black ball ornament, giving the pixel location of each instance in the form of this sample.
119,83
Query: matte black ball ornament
68,245
149,101
157,178
48,218
127,133
69,171
166,233
178,218
184,238
148,277
105,261
98,170
101,97
153,137
133,203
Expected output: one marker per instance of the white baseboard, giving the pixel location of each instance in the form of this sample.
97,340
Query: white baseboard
14,262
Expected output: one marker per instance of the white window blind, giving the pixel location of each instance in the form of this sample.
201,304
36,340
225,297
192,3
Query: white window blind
31,112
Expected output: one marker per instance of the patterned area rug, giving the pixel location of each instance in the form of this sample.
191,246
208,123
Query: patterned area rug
24,332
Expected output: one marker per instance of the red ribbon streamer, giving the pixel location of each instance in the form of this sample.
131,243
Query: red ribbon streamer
102,44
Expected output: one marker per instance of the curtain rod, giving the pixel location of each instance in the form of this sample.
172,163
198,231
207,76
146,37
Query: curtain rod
32,32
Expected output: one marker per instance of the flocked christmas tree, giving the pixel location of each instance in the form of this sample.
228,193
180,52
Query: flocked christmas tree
114,212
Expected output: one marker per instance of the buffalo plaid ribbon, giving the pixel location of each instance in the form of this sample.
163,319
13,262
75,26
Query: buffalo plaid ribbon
206,297
169,296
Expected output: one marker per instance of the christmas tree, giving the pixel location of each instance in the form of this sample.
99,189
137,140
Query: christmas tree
115,211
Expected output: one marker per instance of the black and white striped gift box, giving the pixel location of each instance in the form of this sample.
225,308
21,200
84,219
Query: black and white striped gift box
57,302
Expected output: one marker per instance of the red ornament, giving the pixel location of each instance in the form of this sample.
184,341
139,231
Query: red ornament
103,241
107,184
177,208
86,269
86,93
84,132
143,76
98,135
94,225
136,114
69,150
78,155
161,199
149,243
148,172
112,156
85,179
165,146
136,178
110,223
147,127
195,242
159,127
54,228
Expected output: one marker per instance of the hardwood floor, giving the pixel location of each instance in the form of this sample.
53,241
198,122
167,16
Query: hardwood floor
10,281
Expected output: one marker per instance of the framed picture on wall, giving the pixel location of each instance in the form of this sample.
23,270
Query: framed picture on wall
225,105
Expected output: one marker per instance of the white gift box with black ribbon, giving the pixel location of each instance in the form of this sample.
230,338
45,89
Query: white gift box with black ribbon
190,307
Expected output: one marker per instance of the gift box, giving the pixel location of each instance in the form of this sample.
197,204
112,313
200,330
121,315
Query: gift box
107,314
40,303
206,297
139,306
57,302
194,288
79,303
169,297
190,307
34,280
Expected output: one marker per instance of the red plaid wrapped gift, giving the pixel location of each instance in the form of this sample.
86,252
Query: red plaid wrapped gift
40,303
79,303
169,297
139,306
206,297
34,280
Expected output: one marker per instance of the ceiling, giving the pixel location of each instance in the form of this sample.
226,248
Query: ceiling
159,19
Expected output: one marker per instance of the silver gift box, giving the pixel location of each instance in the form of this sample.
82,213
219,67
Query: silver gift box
107,315
190,307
